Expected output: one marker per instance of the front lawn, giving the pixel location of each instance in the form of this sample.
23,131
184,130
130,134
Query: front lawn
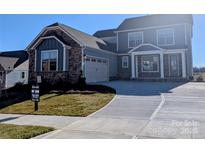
9,131
62,104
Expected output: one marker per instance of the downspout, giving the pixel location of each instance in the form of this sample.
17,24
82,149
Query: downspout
83,61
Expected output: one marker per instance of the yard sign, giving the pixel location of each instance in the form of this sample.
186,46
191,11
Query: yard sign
35,95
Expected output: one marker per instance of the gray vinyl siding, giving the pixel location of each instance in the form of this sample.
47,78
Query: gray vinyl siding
124,73
111,57
49,44
150,36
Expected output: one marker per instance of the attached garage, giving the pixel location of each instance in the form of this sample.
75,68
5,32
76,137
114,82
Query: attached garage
96,69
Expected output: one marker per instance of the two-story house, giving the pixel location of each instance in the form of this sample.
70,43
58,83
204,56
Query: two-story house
149,47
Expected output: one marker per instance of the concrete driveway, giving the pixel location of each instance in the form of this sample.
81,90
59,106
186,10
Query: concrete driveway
144,110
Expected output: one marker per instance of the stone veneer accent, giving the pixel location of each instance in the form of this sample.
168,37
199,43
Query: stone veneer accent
2,79
74,61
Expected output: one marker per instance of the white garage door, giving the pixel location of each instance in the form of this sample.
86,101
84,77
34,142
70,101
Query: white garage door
96,69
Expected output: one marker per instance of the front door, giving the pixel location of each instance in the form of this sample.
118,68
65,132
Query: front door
174,65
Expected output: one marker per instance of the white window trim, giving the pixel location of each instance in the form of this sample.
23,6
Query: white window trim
56,61
48,37
143,44
135,33
125,59
149,71
173,35
22,75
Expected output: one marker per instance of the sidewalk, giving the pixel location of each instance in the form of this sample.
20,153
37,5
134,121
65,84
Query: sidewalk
56,122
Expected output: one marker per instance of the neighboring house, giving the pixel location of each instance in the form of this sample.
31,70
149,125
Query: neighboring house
148,47
13,68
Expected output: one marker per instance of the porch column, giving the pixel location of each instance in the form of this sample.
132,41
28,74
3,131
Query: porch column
183,65
133,65
136,64
161,65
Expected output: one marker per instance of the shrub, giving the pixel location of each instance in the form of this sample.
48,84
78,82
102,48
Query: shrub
191,78
20,87
81,85
62,85
19,92
100,89
45,87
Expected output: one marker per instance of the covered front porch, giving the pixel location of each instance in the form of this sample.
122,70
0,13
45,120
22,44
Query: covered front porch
157,63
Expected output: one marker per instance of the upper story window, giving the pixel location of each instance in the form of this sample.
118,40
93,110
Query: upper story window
49,60
135,39
125,62
165,37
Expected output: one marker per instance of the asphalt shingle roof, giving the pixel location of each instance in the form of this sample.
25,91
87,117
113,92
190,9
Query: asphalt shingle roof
8,62
87,39
154,20
20,55
105,33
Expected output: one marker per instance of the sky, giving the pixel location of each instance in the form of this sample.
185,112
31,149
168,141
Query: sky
17,31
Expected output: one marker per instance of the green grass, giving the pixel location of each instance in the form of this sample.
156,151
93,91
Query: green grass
9,131
62,105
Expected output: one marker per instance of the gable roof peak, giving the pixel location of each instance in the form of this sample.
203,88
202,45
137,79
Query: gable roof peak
151,47
82,38
54,24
